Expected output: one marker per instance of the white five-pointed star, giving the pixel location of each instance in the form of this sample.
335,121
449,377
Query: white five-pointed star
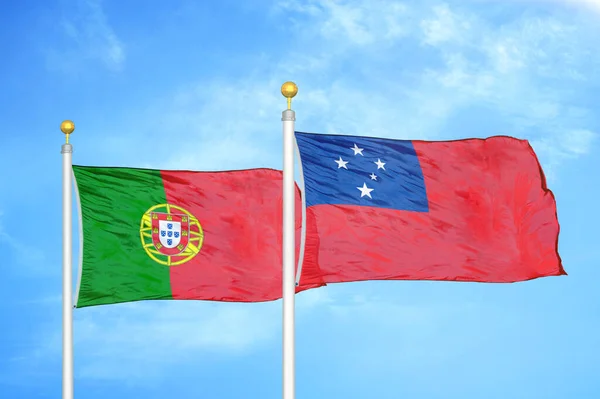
357,150
364,190
380,164
341,163
373,177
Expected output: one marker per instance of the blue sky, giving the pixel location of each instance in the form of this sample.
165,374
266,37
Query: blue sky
195,85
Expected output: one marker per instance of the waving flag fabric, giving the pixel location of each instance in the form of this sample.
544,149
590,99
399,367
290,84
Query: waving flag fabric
466,210
152,234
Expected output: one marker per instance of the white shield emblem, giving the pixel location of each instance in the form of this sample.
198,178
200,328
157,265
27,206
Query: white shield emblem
169,233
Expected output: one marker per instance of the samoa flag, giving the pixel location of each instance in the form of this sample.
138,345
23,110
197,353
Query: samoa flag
465,210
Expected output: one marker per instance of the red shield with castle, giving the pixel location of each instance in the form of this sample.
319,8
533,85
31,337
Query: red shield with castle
170,232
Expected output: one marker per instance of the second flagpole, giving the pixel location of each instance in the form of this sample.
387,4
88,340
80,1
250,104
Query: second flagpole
289,90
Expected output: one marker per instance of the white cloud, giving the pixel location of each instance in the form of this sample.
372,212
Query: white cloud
525,71
349,23
521,71
579,141
377,329
592,5
89,36
445,26
562,146
136,341
23,253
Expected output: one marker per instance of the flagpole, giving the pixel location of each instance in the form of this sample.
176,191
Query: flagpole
67,127
289,90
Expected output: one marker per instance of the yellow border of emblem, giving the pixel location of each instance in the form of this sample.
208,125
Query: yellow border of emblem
195,241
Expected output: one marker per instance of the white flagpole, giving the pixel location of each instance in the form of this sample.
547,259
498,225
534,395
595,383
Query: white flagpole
67,127
289,90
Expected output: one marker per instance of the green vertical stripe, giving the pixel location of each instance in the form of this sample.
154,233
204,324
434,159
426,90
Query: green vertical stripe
115,267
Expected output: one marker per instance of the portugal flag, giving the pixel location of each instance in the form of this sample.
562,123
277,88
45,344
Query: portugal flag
152,234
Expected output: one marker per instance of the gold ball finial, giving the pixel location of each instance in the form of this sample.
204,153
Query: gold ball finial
289,90
67,127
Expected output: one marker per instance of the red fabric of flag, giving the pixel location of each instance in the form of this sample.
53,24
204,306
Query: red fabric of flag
241,214
467,210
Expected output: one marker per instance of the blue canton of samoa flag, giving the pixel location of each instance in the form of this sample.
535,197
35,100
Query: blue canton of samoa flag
363,171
